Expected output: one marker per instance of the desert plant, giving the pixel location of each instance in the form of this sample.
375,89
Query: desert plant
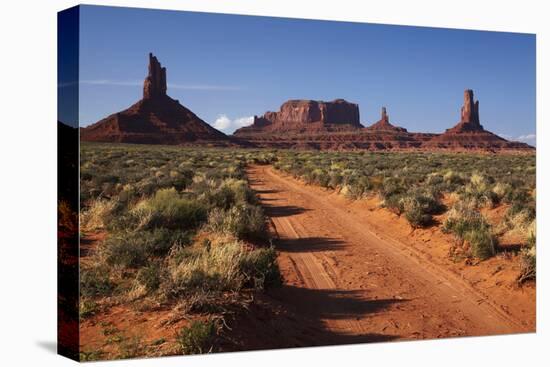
97,214
528,264
169,210
197,338
467,224
149,277
260,268
95,282
243,221
135,249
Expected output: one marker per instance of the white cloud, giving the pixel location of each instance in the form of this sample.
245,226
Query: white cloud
527,137
224,123
505,136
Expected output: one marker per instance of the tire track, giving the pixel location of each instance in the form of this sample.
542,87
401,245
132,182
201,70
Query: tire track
439,302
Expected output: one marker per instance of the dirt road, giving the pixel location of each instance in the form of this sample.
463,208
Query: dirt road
365,285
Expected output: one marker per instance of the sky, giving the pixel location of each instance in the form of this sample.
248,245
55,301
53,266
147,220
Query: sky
228,68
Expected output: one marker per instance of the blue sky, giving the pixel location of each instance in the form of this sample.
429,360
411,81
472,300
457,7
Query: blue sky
227,68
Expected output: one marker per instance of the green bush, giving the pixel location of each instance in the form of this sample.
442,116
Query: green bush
224,266
86,308
197,338
419,208
134,249
230,192
169,210
469,225
213,268
261,269
149,277
95,282
242,221
415,213
482,242
394,203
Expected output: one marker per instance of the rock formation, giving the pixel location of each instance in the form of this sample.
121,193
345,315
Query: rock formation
384,123
155,119
155,82
469,134
469,115
305,124
306,116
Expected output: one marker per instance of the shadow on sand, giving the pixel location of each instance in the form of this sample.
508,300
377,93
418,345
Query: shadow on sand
291,317
309,244
275,211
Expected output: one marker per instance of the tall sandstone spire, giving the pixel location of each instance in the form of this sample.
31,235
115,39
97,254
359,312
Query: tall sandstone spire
469,113
384,123
155,82
154,119
384,116
470,110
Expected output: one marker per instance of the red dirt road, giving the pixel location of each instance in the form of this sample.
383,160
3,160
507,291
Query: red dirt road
362,284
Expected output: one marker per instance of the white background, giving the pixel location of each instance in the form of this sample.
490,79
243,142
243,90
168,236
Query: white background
28,181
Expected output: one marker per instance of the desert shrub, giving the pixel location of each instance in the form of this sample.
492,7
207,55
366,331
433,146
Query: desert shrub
335,179
215,268
150,277
482,242
528,263
223,265
130,348
520,218
197,338
260,268
463,217
394,203
467,224
453,178
322,178
501,190
92,355
415,212
391,187
242,221
168,209
358,187
86,308
95,282
228,193
134,249
97,214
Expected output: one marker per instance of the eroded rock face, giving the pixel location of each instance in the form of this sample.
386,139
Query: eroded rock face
384,123
155,82
338,111
469,115
155,119
306,115
469,134
295,127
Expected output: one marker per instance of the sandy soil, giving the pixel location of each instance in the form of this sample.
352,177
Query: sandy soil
359,273
353,273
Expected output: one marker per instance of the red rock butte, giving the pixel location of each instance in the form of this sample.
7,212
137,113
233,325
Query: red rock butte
306,116
469,134
299,124
302,124
155,119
